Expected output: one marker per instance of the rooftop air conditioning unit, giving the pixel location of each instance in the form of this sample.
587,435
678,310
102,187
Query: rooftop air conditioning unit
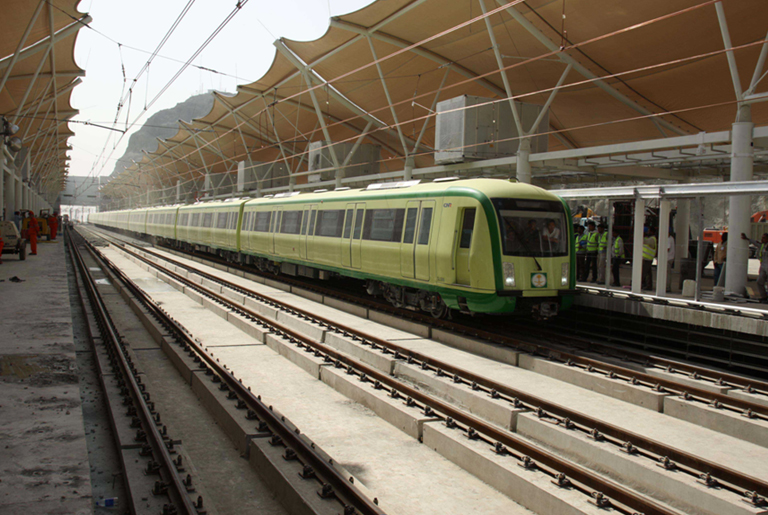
474,128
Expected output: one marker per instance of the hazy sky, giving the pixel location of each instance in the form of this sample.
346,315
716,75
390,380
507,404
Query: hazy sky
242,52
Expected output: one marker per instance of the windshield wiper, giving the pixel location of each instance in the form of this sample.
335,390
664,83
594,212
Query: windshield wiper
522,241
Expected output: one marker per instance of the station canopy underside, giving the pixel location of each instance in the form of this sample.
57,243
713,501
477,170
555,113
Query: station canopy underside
37,75
615,74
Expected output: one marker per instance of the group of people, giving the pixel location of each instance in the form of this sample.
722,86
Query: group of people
33,229
592,247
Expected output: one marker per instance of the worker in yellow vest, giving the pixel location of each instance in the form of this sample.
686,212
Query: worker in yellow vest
762,255
617,260
602,252
649,252
581,252
592,246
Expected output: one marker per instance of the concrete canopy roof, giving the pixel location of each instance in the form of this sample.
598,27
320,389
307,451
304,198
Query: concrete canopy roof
622,73
37,75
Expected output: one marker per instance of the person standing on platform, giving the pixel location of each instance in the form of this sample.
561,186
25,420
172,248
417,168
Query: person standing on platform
649,252
670,259
33,229
17,220
2,244
53,224
721,252
592,246
581,253
602,252
762,255
618,259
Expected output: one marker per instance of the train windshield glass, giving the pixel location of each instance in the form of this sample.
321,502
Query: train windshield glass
532,227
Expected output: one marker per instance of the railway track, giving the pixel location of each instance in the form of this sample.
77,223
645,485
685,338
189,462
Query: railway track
151,435
332,485
742,486
559,346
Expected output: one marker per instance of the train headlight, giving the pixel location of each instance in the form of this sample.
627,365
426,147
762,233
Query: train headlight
509,274
564,275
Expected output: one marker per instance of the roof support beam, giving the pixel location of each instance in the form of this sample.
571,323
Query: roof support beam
17,54
32,84
553,47
431,110
54,97
502,71
43,44
729,48
389,97
197,138
756,77
551,98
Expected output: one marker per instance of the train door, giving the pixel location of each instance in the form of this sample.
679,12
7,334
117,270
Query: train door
462,244
308,238
346,236
357,236
275,229
421,250
408,246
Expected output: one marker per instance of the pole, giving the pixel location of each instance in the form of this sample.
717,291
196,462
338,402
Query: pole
662,254
637,246
738,217
610,245
700,250
523,164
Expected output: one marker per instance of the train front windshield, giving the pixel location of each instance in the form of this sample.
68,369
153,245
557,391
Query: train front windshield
532,227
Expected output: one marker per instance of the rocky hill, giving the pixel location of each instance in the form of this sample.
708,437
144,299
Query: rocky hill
163,124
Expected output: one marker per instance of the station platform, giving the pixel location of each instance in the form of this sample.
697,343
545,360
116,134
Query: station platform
733,314
44,466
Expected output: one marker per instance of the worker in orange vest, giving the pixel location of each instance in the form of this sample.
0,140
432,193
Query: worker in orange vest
33,229
53,224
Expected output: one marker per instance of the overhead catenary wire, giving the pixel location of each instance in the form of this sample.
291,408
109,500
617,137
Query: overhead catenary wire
493,72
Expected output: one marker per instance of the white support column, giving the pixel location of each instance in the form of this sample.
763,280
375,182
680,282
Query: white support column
637,246
408,171
3,205
740,206
523,164
699,250
662,252
19,193
10,195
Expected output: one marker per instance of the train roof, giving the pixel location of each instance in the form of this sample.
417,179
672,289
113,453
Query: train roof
487,187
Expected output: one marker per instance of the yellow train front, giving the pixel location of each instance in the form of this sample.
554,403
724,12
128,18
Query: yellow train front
476,246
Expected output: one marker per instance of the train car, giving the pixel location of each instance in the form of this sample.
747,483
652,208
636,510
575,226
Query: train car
477,246
211,226
137,221
161,223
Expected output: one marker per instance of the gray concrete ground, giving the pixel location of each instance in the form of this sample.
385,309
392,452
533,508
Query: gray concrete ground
44,466
408,478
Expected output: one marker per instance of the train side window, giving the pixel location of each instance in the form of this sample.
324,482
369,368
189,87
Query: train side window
207,219
312,219
384,225
330,223
195,219
221,220
467,226
263,219
410,224
358,224
348,223
233,220
291,222
304,223
426,225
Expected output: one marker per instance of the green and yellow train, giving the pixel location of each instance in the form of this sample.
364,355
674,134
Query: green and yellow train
476,245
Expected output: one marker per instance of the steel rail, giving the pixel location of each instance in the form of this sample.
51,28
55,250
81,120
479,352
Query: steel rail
138,394
291,437
750,385
617,372
711,473
602,491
